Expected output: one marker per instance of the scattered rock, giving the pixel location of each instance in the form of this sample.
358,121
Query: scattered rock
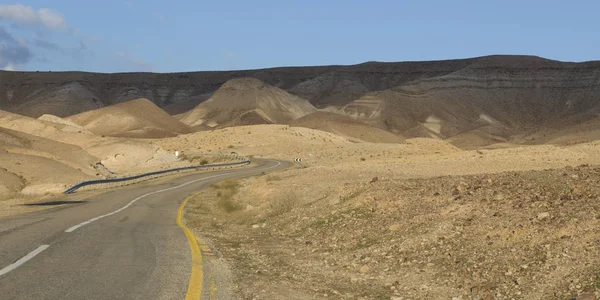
255,226
395,227
461,188
365,269
543,215
375,179
577,190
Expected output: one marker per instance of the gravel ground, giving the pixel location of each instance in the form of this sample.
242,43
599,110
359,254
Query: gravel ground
512,235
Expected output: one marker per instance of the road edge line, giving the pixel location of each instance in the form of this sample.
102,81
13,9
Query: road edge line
194,290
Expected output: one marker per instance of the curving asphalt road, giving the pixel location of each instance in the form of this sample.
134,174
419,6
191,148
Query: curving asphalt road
122,244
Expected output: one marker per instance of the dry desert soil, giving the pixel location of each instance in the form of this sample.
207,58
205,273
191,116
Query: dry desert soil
463,179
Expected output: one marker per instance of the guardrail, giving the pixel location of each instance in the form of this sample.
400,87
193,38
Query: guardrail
130,178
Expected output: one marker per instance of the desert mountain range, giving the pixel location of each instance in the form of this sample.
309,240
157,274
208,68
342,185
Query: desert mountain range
493,161
471,102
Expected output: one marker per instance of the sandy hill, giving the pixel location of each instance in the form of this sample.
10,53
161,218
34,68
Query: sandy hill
136,118
47,126
121,155
247,101
34,165
346,126
64,124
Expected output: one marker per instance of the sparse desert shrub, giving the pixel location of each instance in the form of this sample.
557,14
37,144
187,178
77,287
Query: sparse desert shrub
362,159
283,203
230,146
204,162
273,178
227,205
227,190
351,196
230,185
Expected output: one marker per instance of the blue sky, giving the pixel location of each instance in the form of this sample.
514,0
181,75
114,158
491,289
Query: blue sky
178,35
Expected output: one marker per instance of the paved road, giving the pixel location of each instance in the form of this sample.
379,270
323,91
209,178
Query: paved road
136,253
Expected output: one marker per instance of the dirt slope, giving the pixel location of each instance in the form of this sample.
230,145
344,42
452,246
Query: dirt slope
40,165
121,155
136,118
376,221
247,101
346,126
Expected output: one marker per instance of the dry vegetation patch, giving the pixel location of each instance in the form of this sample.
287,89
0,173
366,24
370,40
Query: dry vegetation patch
513,235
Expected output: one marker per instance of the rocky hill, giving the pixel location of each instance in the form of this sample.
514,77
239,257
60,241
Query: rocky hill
68,93
247,101
484,100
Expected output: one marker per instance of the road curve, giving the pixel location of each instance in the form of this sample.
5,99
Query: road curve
123,244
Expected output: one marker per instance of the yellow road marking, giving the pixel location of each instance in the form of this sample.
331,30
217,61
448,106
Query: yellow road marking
194,290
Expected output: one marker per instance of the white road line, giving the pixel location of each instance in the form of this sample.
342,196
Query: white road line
23,259
73,228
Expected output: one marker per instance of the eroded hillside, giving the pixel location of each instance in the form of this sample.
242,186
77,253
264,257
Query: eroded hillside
473,102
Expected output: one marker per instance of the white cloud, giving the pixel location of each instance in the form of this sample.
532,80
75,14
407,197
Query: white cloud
25,15
9,67
13,51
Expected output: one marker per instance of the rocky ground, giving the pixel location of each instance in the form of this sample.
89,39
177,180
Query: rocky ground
511,235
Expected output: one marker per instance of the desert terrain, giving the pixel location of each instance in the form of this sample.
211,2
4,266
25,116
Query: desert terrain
463,179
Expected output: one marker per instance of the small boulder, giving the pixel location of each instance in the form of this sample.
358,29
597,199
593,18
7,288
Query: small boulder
543,215
577,190
365,269
394,227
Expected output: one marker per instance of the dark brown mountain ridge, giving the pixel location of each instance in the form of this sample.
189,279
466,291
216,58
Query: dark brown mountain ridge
74,92
503,96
